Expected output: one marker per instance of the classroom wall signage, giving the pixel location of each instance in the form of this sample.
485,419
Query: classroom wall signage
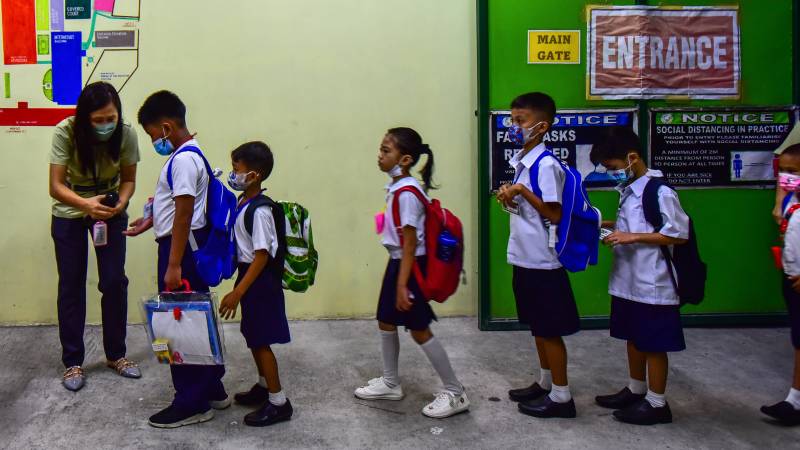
731,147
554,47
650,52
571,139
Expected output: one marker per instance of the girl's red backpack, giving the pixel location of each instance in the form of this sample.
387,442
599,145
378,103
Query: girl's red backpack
444,246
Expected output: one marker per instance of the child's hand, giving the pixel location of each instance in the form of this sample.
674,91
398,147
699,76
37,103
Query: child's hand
97,210
506,194
227,309
138,227
172,279
620,238
403,302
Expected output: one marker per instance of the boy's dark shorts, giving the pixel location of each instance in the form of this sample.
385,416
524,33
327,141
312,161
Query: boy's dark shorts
651,328
545,301
792,300
263,310
420,316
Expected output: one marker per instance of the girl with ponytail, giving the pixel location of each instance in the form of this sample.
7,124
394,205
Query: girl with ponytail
401,301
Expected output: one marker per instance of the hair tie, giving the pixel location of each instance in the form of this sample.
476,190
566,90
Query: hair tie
425,149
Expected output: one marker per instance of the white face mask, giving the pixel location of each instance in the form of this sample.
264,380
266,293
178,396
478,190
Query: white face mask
395,171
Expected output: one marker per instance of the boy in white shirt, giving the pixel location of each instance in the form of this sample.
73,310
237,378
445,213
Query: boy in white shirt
788,411
179,211
541,286
645,306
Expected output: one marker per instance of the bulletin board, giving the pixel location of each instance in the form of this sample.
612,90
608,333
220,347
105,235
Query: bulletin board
734,226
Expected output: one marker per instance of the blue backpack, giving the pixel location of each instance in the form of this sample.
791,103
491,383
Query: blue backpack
578,234
216,260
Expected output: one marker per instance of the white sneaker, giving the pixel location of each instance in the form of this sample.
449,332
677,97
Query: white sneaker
446,404
221,404
376,389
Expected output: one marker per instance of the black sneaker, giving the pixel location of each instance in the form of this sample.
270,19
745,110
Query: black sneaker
172,417
546,408
532,392
256,396
783,412
269,414
620,400
643,413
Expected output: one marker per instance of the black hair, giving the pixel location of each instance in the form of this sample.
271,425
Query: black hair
792,150
257,156
615,143
93,97
409,142
162,105
537,101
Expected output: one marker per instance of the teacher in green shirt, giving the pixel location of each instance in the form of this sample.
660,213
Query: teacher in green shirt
92,177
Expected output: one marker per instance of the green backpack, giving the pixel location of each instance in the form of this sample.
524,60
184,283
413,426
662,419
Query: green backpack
300,258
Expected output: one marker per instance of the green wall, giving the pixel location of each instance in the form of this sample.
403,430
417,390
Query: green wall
734,227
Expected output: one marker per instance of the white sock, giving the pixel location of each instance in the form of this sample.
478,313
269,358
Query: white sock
441,362
262,382
794,398
638,387
545,379
560,394
390,349
655,400
278,398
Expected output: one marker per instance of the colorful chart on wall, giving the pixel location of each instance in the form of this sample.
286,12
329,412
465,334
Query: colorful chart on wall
52,48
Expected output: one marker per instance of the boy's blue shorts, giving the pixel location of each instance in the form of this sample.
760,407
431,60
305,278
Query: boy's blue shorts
651,328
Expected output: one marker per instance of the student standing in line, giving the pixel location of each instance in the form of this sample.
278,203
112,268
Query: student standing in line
788,411
645,306
260,250
402,303
541,286
179,213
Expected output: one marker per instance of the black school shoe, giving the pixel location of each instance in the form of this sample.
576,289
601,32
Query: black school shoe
532,392
269,414
620,400
643,413
172,417
783,412
256,396
546,408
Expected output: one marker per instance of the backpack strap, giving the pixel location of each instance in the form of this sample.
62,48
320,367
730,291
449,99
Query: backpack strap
396,207
533,172
274,264
786,200
192,149
652,214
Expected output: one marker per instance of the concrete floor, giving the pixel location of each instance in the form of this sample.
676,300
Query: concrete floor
715,389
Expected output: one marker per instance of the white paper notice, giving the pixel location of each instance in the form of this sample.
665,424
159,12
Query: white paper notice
188,337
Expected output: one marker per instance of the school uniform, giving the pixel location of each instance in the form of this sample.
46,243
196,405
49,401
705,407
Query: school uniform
645,307
195,385
541,286
791,267
263,305
412,212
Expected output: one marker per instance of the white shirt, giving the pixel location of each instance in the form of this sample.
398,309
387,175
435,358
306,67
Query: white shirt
189,177
791,241
265,236
412,213
529,241
640,272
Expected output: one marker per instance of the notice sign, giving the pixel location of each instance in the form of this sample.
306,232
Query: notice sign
554,47
648,52
718,147
571,139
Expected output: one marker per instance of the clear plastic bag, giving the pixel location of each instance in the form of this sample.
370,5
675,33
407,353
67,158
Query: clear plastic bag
184,328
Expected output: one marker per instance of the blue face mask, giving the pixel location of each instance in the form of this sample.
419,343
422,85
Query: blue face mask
163,146
520,135
238,181
621,176
105,131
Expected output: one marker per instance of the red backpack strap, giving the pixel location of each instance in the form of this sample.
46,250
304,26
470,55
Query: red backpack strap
396,207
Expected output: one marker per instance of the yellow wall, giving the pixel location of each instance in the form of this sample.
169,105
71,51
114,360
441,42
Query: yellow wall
320,81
